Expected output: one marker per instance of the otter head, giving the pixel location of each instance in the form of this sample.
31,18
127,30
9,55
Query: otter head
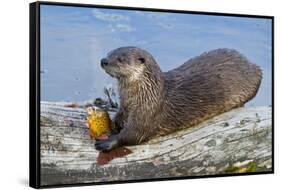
129,63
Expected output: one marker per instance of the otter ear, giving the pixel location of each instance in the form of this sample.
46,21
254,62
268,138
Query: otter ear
141,60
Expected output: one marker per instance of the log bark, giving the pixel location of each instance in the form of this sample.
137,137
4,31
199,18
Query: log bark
234,142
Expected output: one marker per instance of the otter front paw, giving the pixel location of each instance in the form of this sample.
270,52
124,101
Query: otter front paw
108,144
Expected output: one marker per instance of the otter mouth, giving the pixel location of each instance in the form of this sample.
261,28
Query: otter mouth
110,70
111,74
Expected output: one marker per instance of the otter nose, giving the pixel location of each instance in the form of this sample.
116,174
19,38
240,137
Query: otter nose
104,62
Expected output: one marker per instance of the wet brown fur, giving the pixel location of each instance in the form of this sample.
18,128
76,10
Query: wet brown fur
158,103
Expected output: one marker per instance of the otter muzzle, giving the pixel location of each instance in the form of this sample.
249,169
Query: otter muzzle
104,62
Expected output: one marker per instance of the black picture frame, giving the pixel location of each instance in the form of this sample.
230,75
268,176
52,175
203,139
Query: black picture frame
34,93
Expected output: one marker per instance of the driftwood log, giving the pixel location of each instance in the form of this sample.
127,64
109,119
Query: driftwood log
236,141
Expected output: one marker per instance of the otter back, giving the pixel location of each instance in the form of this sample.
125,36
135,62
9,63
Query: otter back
210,84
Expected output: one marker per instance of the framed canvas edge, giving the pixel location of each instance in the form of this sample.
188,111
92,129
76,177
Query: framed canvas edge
34,92
34,96
153,9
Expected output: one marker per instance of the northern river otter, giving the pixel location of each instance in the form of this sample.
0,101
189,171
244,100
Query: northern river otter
154,103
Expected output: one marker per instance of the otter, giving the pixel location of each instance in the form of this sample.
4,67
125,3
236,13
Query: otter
155,103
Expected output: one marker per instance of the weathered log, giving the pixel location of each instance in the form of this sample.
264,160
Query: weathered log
236,141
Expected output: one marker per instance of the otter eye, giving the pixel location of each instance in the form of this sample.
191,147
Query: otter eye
141,60
119,59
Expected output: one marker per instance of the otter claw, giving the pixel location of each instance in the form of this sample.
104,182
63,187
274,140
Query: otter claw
106,145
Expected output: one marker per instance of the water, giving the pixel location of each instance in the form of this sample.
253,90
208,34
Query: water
74,39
